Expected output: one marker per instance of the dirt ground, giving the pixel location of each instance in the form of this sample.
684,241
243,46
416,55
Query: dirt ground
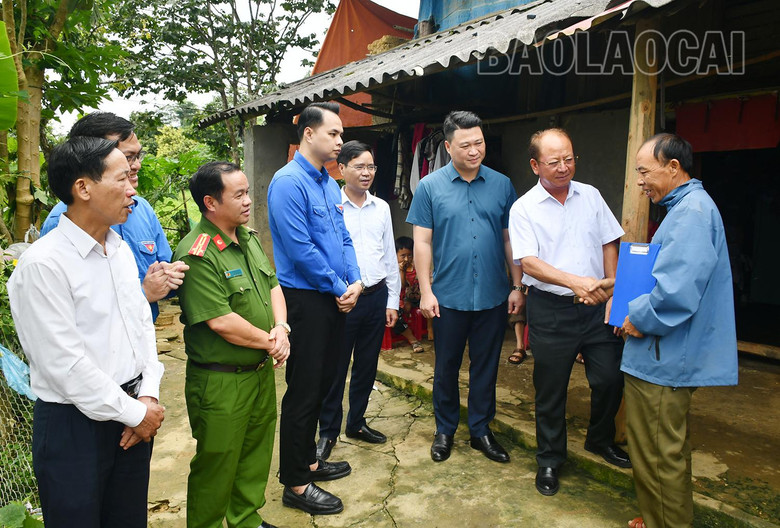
735,431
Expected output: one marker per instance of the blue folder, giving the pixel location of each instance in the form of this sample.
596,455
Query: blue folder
634,277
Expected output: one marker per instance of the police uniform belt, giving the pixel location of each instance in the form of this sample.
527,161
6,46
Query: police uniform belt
235,369
375,287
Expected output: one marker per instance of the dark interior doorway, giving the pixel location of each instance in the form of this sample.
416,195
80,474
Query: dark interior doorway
745,185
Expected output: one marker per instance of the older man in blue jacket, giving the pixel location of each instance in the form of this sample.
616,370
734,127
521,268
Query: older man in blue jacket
681,335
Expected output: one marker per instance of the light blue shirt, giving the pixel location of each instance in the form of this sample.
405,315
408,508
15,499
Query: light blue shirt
142,232
468,222
312,247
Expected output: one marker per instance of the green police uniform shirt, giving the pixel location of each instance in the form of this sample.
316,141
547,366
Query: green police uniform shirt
224,277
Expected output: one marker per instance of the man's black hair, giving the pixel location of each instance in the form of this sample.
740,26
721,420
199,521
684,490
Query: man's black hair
76,158
457,120
207,181
404,242
671,146
102,124
351,150
311,117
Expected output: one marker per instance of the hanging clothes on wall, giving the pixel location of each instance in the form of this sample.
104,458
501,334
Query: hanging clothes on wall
428,151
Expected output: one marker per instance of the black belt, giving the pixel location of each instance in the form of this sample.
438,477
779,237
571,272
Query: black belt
375,287
235,369
132,386
564,299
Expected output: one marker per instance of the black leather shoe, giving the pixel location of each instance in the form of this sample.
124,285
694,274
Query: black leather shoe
266,525
313,500
324,447
372,436
490,447
330,471
442,445
547,481
612,454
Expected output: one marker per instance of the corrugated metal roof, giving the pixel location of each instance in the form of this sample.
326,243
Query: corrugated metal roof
469,42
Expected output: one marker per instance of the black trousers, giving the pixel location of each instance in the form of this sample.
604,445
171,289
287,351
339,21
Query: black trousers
484,330
558,330
84,477
317,326
363,332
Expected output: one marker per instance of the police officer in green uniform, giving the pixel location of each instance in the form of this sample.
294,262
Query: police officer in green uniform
235,328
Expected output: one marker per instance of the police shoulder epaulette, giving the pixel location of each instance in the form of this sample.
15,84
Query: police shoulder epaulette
198,249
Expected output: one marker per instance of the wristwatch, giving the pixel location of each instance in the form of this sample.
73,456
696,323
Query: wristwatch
362,285
285,326
522,289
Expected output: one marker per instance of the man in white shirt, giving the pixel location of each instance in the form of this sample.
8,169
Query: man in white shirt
564,235
371,228
87,331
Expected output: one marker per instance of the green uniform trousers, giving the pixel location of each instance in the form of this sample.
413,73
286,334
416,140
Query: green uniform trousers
660,449
233,420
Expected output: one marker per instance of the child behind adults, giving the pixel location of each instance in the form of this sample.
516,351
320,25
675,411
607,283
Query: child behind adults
410,290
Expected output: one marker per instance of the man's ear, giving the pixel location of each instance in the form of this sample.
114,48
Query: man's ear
209,201
534,166
674,166
80,189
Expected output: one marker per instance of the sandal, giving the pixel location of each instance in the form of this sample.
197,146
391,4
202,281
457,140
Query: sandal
417,348
636,522
517,357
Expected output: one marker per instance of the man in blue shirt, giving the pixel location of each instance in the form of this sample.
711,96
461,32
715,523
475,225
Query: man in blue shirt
682,334
460,215
317,269
142,230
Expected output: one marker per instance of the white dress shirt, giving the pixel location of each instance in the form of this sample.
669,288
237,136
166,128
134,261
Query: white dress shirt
84,324
569,236
371,229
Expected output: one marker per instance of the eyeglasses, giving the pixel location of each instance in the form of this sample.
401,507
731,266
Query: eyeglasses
553,164
140,156
361,168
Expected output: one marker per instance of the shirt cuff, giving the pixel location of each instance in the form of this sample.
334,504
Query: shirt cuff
340,288
134,414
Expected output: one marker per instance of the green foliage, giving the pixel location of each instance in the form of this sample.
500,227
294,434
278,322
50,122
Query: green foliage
8,336
147,124
230,47
172,143
216,137
15,515
164,182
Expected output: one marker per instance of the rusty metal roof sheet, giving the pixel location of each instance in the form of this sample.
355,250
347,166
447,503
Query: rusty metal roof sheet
469,42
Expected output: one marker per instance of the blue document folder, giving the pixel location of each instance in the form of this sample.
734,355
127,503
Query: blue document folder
634,277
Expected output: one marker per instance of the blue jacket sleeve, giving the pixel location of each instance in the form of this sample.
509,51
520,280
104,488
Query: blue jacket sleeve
287,206
683,268
53,219
352,271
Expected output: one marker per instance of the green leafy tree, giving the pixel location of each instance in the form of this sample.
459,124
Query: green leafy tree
62,54
233,48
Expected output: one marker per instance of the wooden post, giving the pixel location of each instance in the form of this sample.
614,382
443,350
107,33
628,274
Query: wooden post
641,127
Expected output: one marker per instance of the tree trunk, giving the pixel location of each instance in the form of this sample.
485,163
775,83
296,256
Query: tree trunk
28,135
4,169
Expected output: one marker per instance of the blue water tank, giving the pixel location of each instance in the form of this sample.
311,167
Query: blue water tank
445,14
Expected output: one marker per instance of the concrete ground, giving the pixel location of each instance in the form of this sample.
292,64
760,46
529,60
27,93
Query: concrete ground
735,435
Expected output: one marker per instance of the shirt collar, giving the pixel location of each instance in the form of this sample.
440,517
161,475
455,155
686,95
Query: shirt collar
318,176
541,194
83,241
454,174
208,227
345,199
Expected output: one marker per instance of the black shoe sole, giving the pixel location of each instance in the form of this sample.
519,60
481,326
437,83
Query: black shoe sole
332,476
358,436
546,492
478,447
303,506
618,463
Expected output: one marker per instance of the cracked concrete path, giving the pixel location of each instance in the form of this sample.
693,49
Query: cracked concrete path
395,484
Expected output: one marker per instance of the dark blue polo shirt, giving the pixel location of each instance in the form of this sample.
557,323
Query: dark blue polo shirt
468,222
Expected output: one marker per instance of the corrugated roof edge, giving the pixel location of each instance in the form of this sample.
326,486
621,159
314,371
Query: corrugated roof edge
495,33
